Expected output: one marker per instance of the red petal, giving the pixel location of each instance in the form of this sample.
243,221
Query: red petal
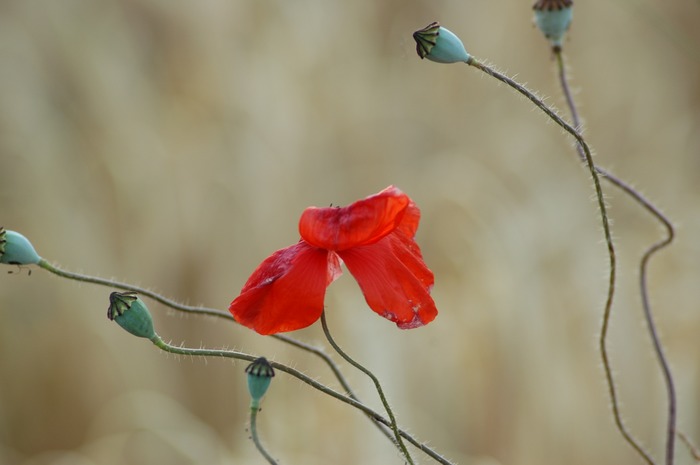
361,223
286,291
410,219
394,279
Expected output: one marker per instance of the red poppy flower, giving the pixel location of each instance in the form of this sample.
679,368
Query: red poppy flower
373,237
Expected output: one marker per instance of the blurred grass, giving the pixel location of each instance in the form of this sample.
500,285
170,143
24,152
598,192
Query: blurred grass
174,145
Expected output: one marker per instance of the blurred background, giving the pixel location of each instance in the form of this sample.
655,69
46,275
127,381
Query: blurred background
174,145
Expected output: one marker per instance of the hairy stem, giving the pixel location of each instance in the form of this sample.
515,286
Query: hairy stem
130,287
193,310
254,435
215,313
607,311
377,385
158,342
643,267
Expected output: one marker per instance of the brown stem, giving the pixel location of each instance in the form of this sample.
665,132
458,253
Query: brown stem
643,272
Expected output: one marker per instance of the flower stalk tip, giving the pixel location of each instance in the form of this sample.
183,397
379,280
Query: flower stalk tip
15,249
260,374
440,45
553,18
131,313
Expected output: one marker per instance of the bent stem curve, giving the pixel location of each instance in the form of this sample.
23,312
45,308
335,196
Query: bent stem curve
606,230
130,287
254,435
399,442
193,310
232,354
643,267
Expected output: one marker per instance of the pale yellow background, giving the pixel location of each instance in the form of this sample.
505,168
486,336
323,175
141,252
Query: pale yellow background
174,144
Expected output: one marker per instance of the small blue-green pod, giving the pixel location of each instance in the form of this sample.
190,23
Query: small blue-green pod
440,45
260,375
553,18
15,249
131,313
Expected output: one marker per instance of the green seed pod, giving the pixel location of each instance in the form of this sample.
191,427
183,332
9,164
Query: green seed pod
437,44
131,313
260,375
15,249
553,18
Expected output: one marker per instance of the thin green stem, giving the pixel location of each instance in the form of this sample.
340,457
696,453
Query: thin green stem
215,313
158,342
338,375
606,230
377,385
254,435
130,287
193,310
643,283
324,356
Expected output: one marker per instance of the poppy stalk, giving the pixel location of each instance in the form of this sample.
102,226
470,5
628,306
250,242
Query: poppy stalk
374,237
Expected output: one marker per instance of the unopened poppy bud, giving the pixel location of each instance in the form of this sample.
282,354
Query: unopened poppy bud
15,249
553,18
437,44
260,375
131,313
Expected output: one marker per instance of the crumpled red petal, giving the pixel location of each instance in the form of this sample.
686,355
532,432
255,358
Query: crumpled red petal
361,223
394,279
286,291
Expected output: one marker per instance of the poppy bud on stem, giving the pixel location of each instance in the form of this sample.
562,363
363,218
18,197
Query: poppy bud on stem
643,265
131,313
260,374
440,45
553,18
349,399
15,249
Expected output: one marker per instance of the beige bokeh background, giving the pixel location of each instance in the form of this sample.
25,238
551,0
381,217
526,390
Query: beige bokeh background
174,145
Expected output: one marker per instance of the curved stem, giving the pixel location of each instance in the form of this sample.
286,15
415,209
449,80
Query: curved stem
254,435
339,376
130,287
158,342
643,265
193,310
220,314
324,356
659,349
377,385
608,240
